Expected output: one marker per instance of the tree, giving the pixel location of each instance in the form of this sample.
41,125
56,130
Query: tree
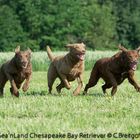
101,31
127,24
80,21
100,24
11,32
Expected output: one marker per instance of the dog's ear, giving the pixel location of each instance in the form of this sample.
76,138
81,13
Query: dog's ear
122,48
29,51
17,50
69,45
83,44
138,50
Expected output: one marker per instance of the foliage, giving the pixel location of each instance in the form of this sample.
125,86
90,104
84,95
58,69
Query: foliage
128,22
11,32
98,23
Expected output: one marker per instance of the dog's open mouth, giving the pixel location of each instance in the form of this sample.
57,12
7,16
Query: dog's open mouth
133,65
81,56
24,65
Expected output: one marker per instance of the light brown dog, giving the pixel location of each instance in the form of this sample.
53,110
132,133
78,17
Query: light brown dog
16,71
67,68
115,70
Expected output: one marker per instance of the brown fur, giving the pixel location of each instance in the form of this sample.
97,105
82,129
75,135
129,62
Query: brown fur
16,71
115,70
67,68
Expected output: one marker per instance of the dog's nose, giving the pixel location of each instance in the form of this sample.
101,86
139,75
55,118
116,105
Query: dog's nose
24,62
135,60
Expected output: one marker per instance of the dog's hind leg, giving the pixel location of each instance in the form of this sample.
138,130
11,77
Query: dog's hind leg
111,79
52,75
18,85
94,77
105,86
60,86
1,92
3,81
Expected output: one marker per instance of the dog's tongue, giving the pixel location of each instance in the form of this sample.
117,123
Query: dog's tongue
133,67
81,56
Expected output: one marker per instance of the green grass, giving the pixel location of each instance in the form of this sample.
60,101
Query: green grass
37,111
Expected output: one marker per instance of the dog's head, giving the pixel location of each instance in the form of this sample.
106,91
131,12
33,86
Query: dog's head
130,57
22,57
77,50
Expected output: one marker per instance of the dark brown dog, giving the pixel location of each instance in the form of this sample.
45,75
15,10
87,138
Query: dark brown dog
115,70
16,71
67,68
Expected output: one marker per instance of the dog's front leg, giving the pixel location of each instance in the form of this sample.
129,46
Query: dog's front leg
132,81
80,85
65,81
13,88
26,84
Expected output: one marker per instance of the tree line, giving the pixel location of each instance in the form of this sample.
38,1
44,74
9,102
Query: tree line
100,24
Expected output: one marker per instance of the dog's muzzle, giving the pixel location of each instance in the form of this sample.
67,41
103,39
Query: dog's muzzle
133,65
81,56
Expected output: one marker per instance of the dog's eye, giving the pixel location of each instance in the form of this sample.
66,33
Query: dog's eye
130,57
76,47
19,56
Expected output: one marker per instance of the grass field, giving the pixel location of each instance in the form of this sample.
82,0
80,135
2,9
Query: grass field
38,112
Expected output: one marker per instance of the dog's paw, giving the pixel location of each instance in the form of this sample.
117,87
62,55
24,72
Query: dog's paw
14,92
58,89
25,87
138,89
84,93
75,93
68,87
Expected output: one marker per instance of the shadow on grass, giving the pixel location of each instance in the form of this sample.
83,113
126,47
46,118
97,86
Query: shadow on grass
36,93
45,93
40,93
94,94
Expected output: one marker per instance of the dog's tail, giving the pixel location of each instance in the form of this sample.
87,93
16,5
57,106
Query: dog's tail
49,52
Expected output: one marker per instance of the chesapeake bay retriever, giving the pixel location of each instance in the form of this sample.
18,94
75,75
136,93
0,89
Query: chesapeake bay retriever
67,68
16,71
115,70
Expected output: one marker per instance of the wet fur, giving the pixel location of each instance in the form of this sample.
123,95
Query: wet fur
67,68
114,70
12,71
